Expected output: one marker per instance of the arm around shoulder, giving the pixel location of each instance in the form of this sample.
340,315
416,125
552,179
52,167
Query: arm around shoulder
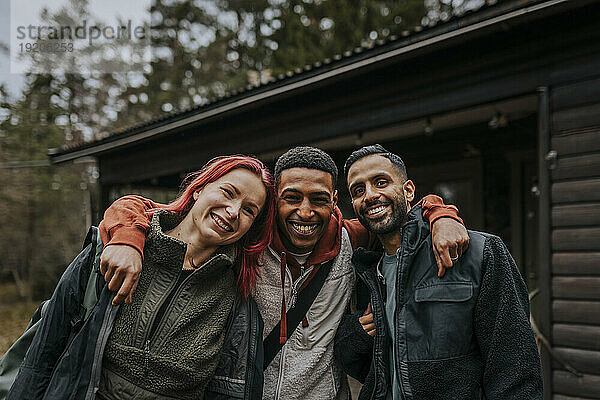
434,209
448,233
126,222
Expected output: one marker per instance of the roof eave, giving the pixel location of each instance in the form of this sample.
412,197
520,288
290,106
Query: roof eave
432,38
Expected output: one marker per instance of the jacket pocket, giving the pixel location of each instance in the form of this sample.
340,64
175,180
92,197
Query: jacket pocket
454,292
439,322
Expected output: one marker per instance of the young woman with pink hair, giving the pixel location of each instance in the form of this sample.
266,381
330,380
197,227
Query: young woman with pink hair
192,329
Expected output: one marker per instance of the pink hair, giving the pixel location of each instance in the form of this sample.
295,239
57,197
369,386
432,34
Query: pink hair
256,240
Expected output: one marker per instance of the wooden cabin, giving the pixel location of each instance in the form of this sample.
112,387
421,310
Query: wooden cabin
497,110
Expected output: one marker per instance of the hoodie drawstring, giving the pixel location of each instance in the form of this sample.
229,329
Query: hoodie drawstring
283,330
283,327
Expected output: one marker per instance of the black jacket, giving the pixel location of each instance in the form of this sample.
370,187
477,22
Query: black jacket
464,336
64,359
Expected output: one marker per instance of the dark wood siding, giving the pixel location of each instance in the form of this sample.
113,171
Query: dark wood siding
575,238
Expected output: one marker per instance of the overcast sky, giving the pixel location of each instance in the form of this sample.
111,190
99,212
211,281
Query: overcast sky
19,12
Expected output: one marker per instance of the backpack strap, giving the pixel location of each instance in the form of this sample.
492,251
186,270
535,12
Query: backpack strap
272,345
94,285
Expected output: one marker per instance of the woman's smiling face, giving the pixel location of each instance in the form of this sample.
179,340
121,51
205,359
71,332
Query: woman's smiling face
225,209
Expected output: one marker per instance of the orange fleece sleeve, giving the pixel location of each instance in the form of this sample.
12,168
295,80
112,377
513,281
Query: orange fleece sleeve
434,209
126,222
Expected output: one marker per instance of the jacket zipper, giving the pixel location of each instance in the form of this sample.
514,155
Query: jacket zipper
292,302
375,305
107,324
304,328
150,339
396,346
282,351
146,357
154,315
304,272
280,376
251,353
400,290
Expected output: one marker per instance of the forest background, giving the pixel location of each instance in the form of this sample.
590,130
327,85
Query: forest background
200,50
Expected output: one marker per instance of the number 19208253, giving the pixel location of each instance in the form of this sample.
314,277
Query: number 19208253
46,47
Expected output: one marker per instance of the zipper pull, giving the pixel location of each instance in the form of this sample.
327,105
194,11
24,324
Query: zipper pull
381,279
293,297
146,356
305,331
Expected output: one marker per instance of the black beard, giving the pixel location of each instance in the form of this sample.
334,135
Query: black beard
393,222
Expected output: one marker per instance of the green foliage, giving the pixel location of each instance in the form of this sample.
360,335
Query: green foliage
194,60
202,50
310,31
41,207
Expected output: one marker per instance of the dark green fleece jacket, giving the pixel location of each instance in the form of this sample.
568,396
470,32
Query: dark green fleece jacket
177,358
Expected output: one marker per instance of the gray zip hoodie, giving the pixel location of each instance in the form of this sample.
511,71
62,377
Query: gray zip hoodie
305,368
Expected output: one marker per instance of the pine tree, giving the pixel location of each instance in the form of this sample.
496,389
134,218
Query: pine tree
40,205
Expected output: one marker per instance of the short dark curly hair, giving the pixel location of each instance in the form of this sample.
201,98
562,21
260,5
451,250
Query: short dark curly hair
375,149
306,157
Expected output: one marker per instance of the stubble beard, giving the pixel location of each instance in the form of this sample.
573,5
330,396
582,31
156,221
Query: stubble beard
390,224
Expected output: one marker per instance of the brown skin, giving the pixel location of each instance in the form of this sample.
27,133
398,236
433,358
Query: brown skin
366,321
305,200
121,266
450,240
306,197
381,197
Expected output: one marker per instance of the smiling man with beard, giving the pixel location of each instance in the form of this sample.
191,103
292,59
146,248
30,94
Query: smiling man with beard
463,336
312,243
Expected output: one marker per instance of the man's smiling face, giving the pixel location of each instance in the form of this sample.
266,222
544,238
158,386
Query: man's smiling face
306,200
381,195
